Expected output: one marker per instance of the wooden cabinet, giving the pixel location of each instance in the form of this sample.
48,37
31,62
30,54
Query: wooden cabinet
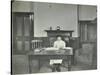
22,30
88,39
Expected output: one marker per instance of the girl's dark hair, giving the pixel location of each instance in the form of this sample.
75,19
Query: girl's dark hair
58,36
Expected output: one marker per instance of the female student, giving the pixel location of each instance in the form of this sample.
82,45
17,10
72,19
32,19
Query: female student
56,63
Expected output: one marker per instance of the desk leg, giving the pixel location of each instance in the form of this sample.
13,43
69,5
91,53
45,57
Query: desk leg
72,60
39,64
30,63
69,63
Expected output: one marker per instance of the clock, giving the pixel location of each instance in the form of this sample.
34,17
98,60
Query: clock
58,28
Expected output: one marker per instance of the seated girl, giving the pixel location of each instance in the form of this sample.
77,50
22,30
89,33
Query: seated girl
56,63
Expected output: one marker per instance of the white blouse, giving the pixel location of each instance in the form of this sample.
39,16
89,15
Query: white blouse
59,44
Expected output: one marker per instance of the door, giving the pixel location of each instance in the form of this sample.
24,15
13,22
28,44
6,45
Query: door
22,32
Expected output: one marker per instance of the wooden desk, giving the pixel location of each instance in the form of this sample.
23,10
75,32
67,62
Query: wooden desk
49,55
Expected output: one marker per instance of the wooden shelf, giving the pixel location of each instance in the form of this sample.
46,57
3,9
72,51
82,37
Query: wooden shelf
64,33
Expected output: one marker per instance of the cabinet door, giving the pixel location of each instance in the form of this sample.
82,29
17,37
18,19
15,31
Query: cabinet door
88,32
92,32
22,32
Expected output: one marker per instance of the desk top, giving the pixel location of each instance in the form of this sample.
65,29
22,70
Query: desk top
41,51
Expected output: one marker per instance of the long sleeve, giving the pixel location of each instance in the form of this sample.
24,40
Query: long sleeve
55,45
64,44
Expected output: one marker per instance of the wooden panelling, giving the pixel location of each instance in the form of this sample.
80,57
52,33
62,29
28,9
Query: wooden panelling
46,42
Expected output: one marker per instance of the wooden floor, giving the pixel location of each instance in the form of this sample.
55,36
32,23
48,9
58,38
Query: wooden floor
20,65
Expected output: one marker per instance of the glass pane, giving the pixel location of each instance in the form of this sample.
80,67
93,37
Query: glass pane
19,45
19,23
26,26
27,45
92,34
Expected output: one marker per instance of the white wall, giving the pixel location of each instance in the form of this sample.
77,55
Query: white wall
87,12
46,15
